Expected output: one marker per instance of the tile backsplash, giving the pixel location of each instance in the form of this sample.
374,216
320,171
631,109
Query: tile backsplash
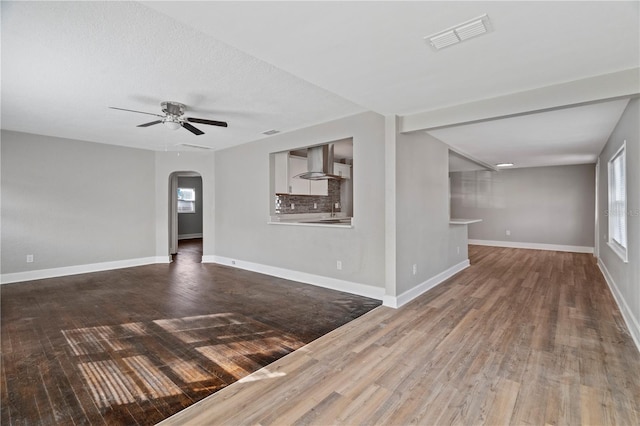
305,203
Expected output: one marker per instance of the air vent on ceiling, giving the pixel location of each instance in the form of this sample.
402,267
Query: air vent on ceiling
461,32
189,145
271,132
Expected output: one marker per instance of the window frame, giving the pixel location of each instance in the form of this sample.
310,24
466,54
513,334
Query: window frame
188,201
617,209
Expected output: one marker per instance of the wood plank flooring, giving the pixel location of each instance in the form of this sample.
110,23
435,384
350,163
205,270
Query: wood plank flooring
522,337
136,345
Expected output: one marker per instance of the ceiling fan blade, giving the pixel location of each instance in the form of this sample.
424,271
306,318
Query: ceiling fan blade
149,124
139,112
203,121
192,129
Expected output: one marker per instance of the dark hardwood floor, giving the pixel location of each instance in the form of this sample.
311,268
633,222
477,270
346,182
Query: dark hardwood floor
136,345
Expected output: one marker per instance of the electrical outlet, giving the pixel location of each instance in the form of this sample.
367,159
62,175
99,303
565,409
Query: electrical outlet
315,205
339,265
293,206
458,249
415,269
508,232
233,262
29,258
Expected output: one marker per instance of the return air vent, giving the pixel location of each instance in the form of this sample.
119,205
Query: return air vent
461,32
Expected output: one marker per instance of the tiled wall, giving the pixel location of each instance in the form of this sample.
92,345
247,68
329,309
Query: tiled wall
304,203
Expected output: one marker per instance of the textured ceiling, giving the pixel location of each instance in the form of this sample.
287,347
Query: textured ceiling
373,53
65,63
287,65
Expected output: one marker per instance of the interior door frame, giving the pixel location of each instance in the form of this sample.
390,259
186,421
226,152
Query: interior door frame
596,241
173,207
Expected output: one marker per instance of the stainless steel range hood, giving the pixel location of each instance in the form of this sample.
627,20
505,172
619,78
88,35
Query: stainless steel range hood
319,164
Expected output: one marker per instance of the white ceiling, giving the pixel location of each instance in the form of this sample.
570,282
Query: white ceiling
65,63
374,53
458,163
561,137
286,65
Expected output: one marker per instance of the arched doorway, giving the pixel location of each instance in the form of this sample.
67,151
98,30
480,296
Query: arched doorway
186,216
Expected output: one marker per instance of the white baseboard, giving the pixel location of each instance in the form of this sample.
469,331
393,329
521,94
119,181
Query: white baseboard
317,280
80,269
632,322
409,295
189,236
533,246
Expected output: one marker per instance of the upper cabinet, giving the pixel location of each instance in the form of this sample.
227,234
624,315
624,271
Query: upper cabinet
288,166
297,186
281,172
342,170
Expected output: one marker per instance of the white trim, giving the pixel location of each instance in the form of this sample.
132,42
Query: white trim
409,295
618,249
533,246
317,280
390,240
596,229
632,323
616,246
80,269
189,236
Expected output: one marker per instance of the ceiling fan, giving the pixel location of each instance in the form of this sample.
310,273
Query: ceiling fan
173,118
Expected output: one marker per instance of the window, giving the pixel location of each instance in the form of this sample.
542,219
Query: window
186,200
618,203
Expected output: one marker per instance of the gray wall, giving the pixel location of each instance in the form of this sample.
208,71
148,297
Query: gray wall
544,205
191,223
423,234
626,276
243,190
71,202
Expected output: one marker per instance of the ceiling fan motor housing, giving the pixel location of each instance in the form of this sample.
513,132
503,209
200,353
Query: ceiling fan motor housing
173,108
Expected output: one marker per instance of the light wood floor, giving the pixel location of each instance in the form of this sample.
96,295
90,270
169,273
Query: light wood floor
520,337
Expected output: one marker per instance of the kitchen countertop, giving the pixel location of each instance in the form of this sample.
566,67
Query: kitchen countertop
463,221
312,220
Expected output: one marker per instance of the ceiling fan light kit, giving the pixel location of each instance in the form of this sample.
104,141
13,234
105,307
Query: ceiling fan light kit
171,123
173,118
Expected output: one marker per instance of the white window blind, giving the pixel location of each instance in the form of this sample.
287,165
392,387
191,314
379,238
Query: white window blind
186,200
618,203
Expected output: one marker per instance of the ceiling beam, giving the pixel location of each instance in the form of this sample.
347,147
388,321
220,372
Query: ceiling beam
617,85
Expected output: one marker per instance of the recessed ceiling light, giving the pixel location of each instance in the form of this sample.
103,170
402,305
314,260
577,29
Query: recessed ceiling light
461,32
271,132
504,165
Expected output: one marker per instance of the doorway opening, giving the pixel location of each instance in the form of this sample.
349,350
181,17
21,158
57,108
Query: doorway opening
185,217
